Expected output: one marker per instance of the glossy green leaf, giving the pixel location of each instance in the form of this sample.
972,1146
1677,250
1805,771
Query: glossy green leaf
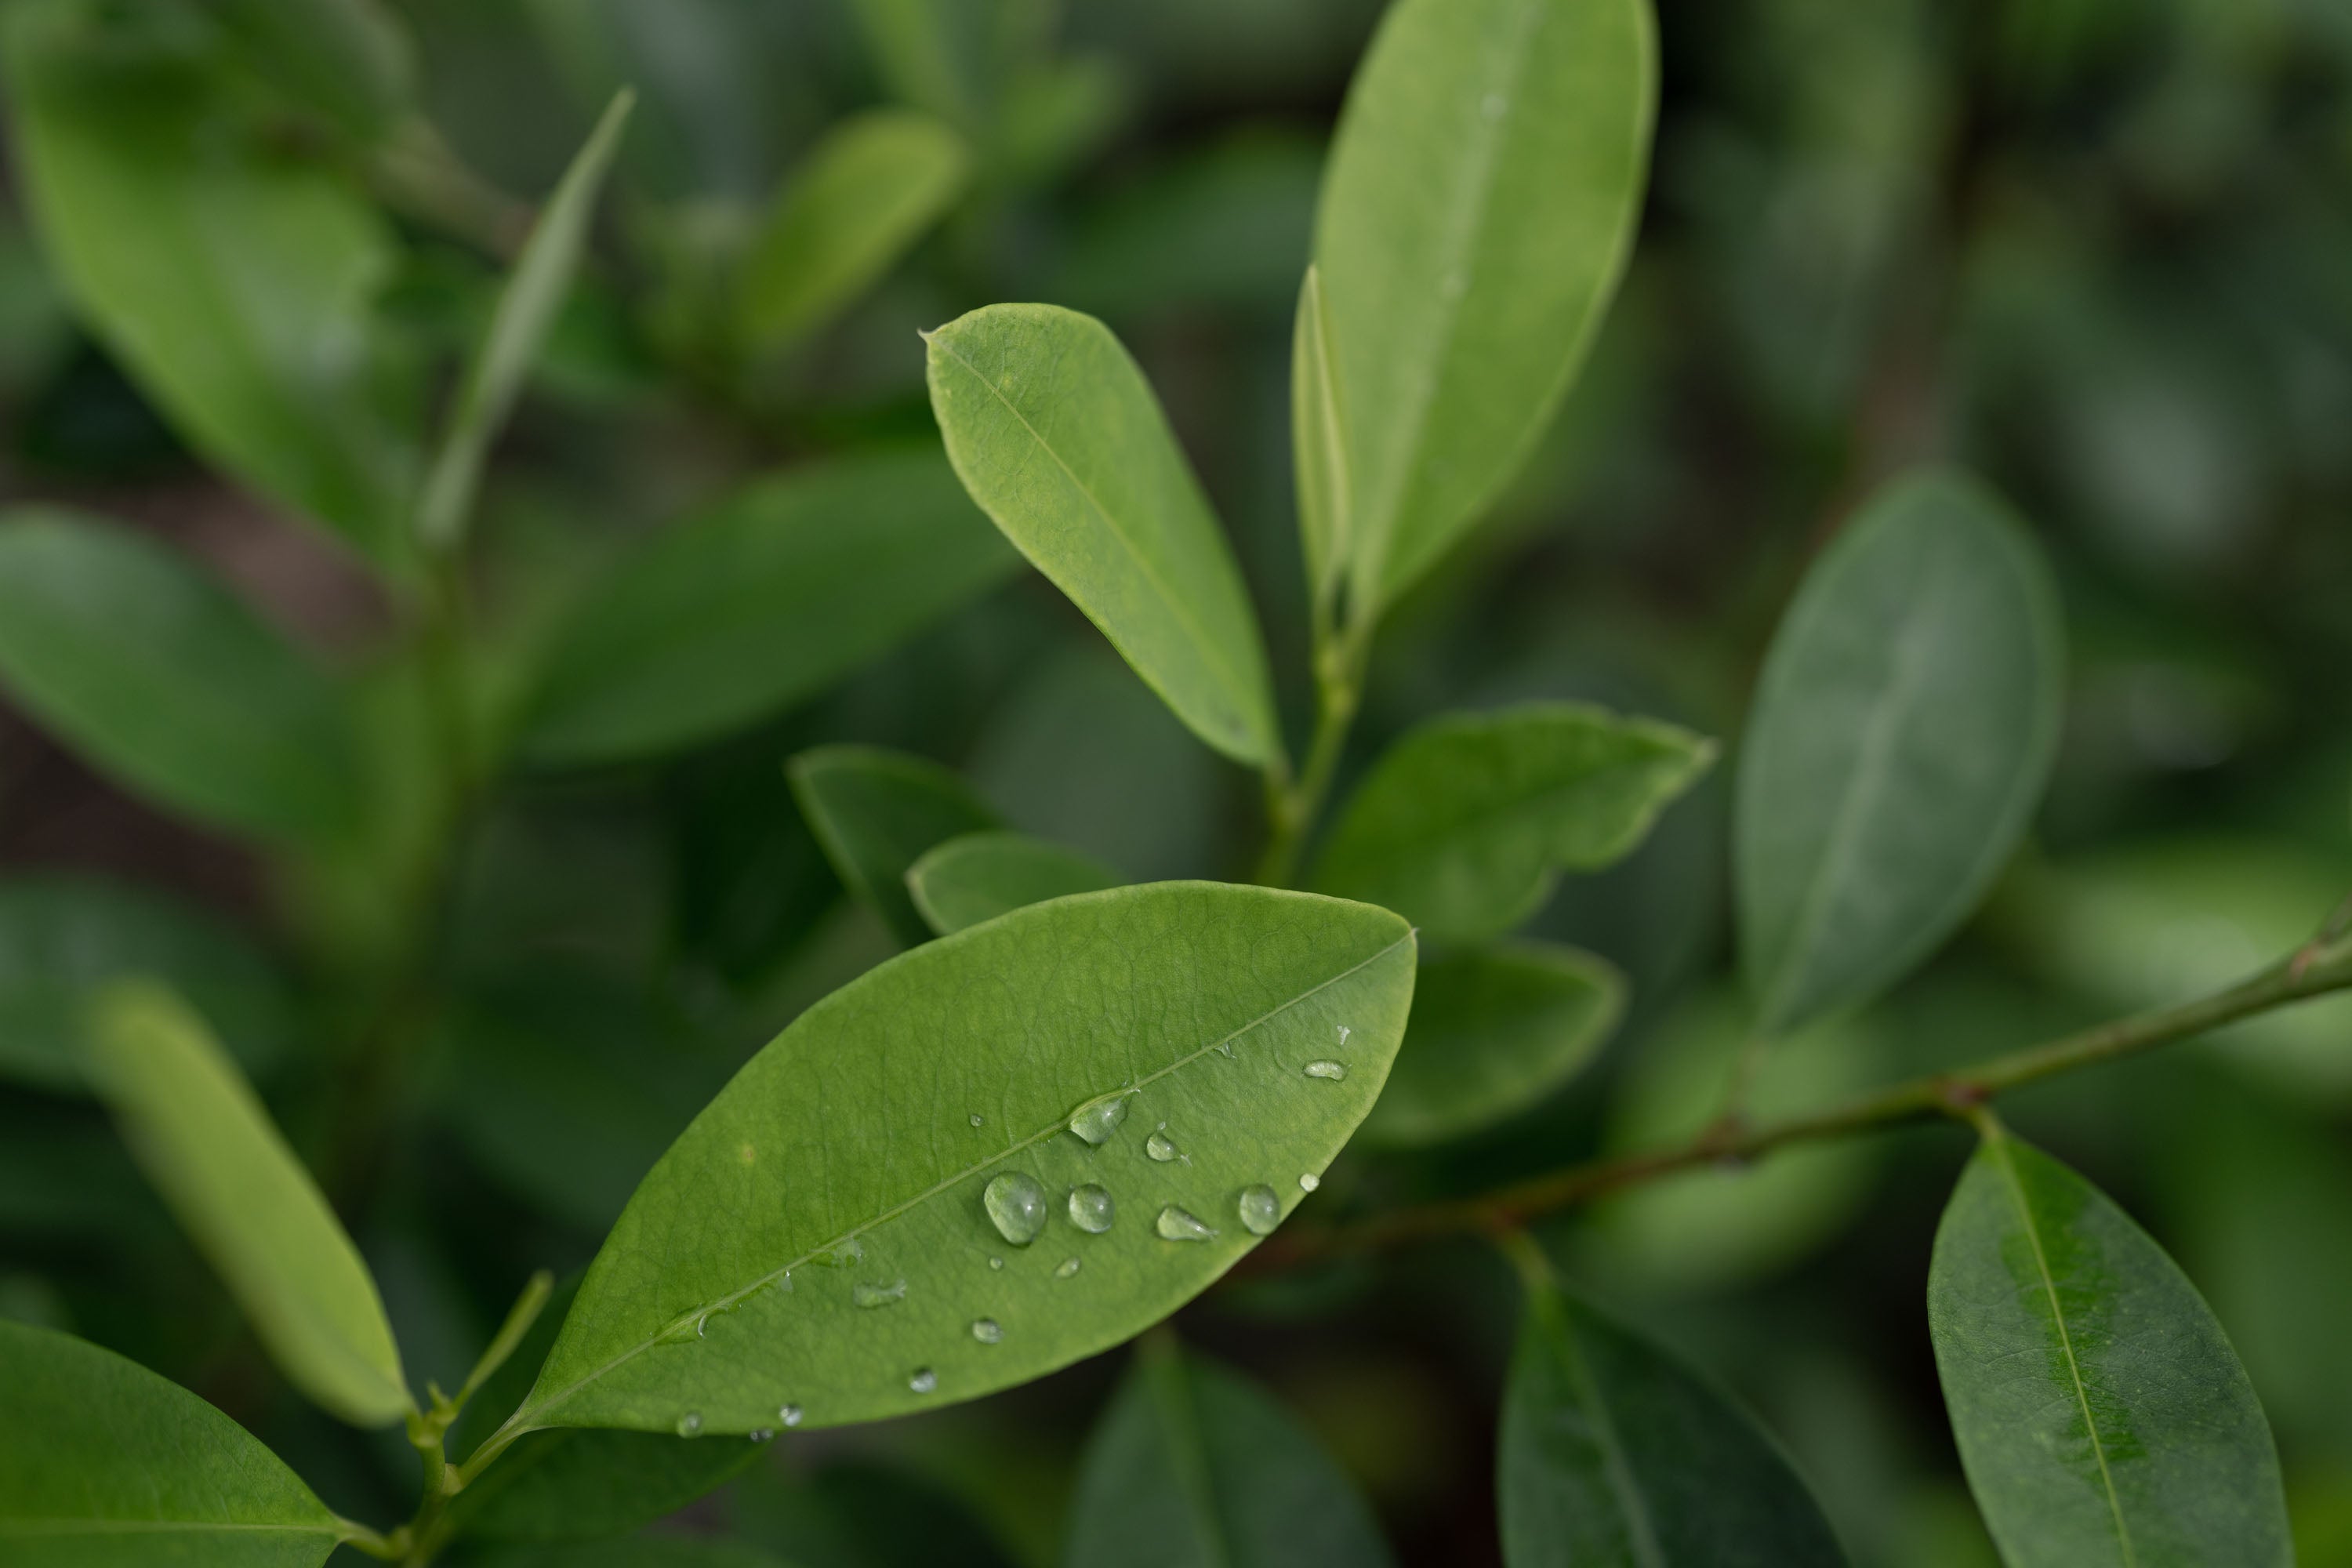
164,679
1905,725
1193,1466
1495,1030
352,61
527,308
981,876
784,589
1616,1455
872,188
105,1464
1479,206
211,1150
877,812
1058,438
2102,1416
1465,825
818,1248
234,282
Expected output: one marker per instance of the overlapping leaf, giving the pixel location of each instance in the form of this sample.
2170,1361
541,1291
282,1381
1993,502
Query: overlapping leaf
877,812
981,876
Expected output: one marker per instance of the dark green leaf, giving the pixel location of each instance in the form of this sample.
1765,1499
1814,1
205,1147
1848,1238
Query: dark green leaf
858,1513
352,61
981,876
642,1551
877,812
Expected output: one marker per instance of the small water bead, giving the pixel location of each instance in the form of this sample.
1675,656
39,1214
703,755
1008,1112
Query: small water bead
996,1263
1344,1033
1016,1203
790,1414
1097,1119
841,1254
866,1295
1261,1210
762,1433
923,1380
701,1325
1091,1208
1161,1148
986,1331
1308,1181
1176,1224
978,1120
1335,1071
1064,1270
689,1424
1225,1049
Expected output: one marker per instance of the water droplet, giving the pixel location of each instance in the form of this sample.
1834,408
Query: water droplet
1161,1149
1261,1210
1017,1205
701,1325
784,1282
1225,1049
978,1120
924,1380
763,1434
1178,1226
1335,1071
689,1424
840,1254
996,1263
1344,1033
790,1414
1308,1181
1493,106
866,1295
985,1330
1064,1270
1091,1208
1097,1119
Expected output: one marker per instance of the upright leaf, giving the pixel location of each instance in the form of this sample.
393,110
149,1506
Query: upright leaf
871,188
1479,206
935,1184
1904,727
210,1149
527,307
784,588
1193,1466
877,812
1615,1455
1058,438
351,60
163,678
1318,445
981,876
103,1462
1465,825
2102,1416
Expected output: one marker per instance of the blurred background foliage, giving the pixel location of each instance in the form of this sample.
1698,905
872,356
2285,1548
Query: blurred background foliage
2100,249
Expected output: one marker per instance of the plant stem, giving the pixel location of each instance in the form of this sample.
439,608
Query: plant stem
1292,805
417,172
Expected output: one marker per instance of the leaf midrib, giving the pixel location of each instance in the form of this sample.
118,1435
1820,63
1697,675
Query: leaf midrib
1171,1387
1641,1532
25,1527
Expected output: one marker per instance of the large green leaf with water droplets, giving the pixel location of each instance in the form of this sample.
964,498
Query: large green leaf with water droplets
1615,1455
1480,202
877,812
1905,725
819,1239
105,1464
1465,825
211,1150
1193,1466
2102,1419
981,876
1058,438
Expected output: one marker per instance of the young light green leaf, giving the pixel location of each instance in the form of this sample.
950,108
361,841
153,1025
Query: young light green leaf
872,187
2102,1416
1465,825
527,307
1495,1031
1318,443
63,938
884,1212
1615,1455
979,876
352,61
786,587
1058,438
161,678
1904,727
211,1150
1479,206
877,812
1193,1466
104,1464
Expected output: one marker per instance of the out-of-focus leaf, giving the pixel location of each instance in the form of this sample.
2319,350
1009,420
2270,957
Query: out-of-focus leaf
103,1463
854,1513
1480,202
934,54
352,61
877,812
1465,825
1226,225
1905,725
1494,1031
636,1552
1058,435
821,1246
211,1150
979,876
2102,1416
1193,1466
787,587
161,678
869,191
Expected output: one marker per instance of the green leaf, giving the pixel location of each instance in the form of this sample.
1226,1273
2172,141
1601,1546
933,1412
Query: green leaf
1495,1031
641,1551
1058,438
818,1241
1615,1453
2102,1416
527,308
1904,727
874,186
848,1512
1193,1466
877,812
1465,825
352,61
63,938
1318,445
210,1149
232,281
979,876
102,1463
785,588
166,681
1479,206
